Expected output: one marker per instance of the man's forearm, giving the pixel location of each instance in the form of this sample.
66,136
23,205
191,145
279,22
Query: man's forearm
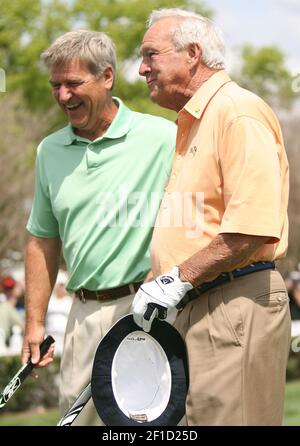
223,254
41,266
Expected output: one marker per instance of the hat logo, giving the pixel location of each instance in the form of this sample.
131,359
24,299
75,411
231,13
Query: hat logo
137,338
166,280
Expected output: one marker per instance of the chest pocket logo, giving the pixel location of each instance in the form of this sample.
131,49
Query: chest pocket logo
193,151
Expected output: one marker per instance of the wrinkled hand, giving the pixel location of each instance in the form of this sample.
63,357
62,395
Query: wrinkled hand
154,298
31,348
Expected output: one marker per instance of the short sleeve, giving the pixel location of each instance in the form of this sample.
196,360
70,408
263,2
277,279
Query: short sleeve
251,179
42,222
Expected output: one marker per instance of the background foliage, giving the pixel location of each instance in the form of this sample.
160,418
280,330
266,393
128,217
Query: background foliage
28,112
42,392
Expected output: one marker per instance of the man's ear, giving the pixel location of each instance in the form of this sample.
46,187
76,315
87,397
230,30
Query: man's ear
108,75
195,53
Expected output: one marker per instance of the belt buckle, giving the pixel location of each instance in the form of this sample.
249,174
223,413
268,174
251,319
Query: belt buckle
131,288
81,296
230,275
97,296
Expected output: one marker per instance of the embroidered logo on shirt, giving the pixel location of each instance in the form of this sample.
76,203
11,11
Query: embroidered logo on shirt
193,151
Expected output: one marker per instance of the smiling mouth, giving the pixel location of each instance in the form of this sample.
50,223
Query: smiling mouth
150,82
72,107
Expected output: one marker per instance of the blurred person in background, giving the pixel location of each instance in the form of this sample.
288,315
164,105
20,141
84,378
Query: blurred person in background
58,311
8,284
9,315
18,295
292,282
293,287
2,294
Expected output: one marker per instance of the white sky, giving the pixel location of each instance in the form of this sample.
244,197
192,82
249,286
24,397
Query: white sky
260,23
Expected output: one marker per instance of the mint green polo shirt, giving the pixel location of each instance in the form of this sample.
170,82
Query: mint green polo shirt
101,197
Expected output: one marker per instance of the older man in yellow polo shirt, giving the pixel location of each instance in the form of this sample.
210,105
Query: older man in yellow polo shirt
222,224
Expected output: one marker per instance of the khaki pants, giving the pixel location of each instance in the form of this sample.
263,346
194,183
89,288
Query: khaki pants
238,341
87,325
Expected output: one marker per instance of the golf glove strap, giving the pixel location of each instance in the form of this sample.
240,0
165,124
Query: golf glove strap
154,298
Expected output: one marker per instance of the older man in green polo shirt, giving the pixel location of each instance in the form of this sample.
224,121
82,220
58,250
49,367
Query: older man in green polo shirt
99,182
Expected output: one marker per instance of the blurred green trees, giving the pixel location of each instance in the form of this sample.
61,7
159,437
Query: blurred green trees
28,112
28,27
264,71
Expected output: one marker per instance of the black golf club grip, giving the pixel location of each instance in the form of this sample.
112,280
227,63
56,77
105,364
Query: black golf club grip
22,373
43,350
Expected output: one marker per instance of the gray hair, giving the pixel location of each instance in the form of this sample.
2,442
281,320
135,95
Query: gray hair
94,48
194,28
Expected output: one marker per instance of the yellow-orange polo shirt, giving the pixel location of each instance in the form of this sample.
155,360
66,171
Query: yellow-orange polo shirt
230,175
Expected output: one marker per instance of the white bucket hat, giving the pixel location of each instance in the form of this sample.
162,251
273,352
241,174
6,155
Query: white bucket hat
140,378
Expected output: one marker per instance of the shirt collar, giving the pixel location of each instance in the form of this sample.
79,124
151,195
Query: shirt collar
119,127
198,102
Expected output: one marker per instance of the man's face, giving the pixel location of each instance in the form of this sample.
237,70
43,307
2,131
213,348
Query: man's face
166,70
81,95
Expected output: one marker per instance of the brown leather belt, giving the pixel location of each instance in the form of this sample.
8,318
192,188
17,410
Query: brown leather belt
113,293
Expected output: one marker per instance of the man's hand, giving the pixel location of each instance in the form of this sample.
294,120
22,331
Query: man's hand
154,298
31,348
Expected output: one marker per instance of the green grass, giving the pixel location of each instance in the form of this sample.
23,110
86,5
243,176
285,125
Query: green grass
292,404
48,417
51,417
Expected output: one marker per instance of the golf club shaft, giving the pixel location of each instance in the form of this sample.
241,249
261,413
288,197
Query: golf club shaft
77,407
22,373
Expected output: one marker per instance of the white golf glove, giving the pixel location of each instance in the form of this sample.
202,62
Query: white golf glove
154,298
